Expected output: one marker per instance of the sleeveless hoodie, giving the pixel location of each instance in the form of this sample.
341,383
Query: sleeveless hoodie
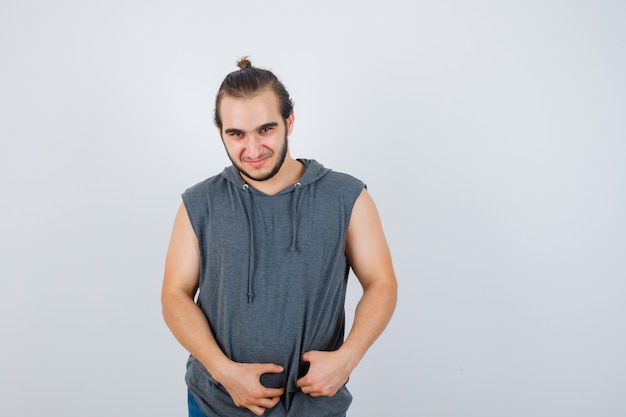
273,281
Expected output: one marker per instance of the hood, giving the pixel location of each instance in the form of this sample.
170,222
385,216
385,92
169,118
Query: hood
313,171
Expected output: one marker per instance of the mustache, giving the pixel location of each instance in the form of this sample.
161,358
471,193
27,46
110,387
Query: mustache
263,155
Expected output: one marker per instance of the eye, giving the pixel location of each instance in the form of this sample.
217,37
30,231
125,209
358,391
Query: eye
266,129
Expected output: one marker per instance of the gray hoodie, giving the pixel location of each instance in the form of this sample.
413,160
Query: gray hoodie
272,280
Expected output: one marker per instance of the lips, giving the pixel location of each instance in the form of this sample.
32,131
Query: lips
255,163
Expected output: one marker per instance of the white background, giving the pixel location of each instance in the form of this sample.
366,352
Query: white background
492,136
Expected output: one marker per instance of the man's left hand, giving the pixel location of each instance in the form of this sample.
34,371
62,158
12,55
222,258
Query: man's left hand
328,371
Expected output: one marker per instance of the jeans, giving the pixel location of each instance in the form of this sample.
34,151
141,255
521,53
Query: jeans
194,408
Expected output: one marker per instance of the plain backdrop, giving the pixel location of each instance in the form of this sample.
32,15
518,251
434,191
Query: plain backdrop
491,134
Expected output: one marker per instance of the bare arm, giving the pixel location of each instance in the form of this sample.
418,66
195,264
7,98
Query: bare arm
370,259
190,326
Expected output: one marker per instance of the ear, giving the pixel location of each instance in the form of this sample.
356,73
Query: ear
289,123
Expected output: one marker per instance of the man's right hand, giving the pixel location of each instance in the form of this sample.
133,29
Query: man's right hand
243,383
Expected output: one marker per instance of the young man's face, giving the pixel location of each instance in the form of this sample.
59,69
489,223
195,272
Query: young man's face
255,134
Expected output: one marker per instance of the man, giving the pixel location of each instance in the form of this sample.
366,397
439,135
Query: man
267,246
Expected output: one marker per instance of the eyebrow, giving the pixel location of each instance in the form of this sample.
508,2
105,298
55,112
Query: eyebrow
270,124
263,126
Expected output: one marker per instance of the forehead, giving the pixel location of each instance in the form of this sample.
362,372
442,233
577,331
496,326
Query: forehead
251,111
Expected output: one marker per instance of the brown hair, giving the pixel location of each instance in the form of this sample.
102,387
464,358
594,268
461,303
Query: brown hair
247,81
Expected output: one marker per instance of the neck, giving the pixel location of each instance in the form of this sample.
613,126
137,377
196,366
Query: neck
289,174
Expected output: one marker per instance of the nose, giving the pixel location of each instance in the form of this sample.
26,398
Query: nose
255,149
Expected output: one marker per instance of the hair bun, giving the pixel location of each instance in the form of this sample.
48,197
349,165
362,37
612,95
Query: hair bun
244,63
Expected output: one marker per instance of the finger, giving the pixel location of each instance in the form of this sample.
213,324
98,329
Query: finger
257,410
263,404
305,385
305,356
270,368
303,382
273,392
268,402
314,392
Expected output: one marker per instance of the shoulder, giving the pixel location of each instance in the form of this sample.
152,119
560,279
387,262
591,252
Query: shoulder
342,180
203,186
316,173
204,189
198,197
337,191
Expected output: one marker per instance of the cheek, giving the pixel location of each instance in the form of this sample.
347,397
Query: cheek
234,148
233,154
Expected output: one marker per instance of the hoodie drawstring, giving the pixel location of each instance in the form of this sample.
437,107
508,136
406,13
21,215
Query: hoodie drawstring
251,227
294,214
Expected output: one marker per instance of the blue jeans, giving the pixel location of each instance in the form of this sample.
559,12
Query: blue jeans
194,408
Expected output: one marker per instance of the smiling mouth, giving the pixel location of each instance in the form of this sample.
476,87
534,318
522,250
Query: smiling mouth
257,162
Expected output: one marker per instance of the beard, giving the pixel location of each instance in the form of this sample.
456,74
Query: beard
275,169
